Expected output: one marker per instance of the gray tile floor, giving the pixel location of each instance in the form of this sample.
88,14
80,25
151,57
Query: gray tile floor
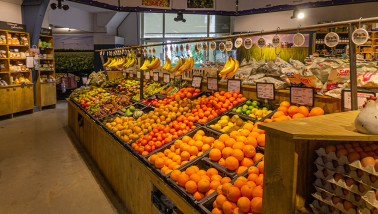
41,170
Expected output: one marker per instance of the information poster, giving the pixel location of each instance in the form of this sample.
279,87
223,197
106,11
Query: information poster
212,83
265,91
156,76
166,78
196,81
302,96
234,85
138,74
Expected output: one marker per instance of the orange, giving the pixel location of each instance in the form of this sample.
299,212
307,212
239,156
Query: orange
219,190
190,171
257,157
240,181
206,147
198,196
196,168
186,139
227,207
293,110
260,180
226,187
173,165
218,145
208,140
199,145
238,154
243,133
247,162
205,177
200,132
278,114
232,163
182,179
298,115
282,109
285,103
167,162
211,171
197,137
203,185
227,152
256,205
201,172
191,187
248,126
253,177
225,180
153,158
214,185
230,142
253,170
191,143
254,134
257,192
195,177
242,139
233,194
222,162
209,192
220,200
316,111
216,211
246,191
216,178
193,150
249,151
244,204
260,166
241,169
175,175
159,163
223,138
251,183
238,145
185,155
303,110
215,155
251,140
261,140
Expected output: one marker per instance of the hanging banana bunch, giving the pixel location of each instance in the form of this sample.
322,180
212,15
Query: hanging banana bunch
167,64
150,64
230,68
186,66
176,67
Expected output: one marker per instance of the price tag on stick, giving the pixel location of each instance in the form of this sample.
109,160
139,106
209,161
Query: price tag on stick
265,91
166,78
234,85
212,83
346,99
138,74
197,82
156,76
131,75
302,96
147,75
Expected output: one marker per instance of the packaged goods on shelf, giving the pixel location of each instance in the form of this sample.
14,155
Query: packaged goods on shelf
19,79
3,40
3,54
47,78
3,82
16,53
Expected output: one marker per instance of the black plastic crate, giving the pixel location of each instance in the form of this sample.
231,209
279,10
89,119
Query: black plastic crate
229,114
110,117
158,96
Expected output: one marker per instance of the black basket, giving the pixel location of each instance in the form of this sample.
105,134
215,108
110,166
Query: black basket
206,93
229,114
111,117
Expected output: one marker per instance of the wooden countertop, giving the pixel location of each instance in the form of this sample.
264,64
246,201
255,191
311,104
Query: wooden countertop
337,126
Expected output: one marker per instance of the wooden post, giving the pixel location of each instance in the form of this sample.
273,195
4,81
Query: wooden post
353,69
141,78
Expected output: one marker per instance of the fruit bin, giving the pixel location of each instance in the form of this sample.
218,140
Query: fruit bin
155,96
230,115
206,93
250,103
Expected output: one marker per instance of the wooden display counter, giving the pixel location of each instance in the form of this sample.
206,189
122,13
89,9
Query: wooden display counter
14,99
128,176
46,95
290,154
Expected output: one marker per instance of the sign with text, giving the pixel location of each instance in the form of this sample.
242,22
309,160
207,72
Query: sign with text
213,46
166,78
147,75
131,75
265,91
238,42
229,46
222,47
298,39
196,81
234,85
346,98
248,43
204,46
261,42
212,83
276,41
138,74
156,76
360,36
331,39
302,96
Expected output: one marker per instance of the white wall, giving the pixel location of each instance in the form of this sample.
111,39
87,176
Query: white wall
72,18
10,12
270,21
129,29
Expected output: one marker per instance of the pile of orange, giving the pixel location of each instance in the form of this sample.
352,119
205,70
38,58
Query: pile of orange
244,196
237,152
288,112
180,95
199,183
182,151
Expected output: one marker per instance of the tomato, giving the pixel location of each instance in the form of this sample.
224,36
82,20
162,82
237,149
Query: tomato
148,148
144,142
158,144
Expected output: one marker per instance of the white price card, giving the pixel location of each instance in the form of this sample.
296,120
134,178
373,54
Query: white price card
234,85
302,96
196,81
166,78
265,91
131,75
138,74
29,62
147,75
212,83
156,76
346,97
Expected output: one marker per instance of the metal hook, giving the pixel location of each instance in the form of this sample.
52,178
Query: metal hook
299,27
359,22
261,32
277,30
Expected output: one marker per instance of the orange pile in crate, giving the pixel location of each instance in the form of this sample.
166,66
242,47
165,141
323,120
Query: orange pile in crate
237,152
244,196
180,95
199,183
182,151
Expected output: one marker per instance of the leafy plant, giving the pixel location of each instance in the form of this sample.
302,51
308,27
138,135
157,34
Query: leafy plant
74,60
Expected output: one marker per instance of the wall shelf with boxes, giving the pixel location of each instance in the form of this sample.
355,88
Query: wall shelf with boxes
46,84
16,87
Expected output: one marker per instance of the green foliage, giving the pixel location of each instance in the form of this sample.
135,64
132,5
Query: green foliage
270,53
74,60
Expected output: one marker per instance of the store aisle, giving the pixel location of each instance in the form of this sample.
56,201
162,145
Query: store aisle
42,172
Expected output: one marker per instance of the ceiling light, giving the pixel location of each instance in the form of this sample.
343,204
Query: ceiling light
297,14
301,15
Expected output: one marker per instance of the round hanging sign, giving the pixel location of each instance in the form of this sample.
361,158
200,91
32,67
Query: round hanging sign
181,48
166,48
204,45
187,47
171,48
149,50
248,43
199,46
213,46
145,51
196,48
238,42
360,36
261,42
229,46
298,39
222,47
177,48
153,50
331,39
276,41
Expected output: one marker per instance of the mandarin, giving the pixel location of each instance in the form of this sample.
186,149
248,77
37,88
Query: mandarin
232,163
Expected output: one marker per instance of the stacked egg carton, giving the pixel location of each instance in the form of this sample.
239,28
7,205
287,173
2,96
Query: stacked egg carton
347,179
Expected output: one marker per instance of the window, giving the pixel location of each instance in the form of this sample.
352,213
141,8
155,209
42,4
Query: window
153,25
195,26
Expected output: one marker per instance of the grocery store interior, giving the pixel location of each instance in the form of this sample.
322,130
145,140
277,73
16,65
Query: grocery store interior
173,106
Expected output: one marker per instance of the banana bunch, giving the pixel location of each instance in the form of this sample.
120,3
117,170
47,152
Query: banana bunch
131,62
149,64
230,68
116,62
167,64
107,62
186,66
176,67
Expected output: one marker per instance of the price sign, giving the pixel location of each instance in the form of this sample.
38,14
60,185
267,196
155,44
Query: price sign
196,48
178,78
166,78
124,73
331,39
298,39
153,50
177,48
261,42
212,83
234,85
149,50
276,41
147,75
196,82
229,46
181,48
238,42
222,47
360,36
156,76
131,75
248,43
187,47
265,91
213,46
346,99
204,46
302,96
138,74
199,46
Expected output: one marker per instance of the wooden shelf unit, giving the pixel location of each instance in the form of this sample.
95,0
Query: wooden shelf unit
46,91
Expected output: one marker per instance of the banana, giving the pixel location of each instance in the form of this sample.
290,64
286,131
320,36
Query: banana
153,64
227,69
232,73
107,62
169,64
176,67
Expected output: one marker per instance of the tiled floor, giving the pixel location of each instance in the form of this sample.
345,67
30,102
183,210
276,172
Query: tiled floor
41,171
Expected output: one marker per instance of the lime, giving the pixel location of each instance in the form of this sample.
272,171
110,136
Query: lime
245,107
132,108
254,103
239,111
250,107
265,108
248,102
248,112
